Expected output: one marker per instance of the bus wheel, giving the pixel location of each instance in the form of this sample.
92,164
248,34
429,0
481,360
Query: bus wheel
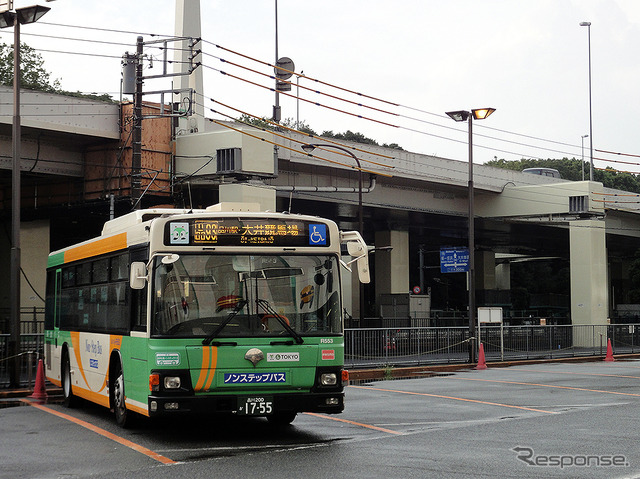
119,407
282,418
67,389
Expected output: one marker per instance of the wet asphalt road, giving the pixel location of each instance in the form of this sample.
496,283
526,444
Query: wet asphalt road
544,420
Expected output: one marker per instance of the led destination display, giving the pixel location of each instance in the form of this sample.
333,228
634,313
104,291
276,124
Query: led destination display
246,232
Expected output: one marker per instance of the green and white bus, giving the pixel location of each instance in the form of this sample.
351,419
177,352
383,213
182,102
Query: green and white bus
221,310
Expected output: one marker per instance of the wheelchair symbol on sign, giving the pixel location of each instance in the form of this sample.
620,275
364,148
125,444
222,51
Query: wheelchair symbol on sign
318,234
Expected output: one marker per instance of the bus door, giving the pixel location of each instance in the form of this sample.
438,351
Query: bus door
52,324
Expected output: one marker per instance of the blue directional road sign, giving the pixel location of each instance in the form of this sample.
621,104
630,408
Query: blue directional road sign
454,260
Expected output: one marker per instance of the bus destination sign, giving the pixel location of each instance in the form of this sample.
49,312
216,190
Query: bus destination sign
246,232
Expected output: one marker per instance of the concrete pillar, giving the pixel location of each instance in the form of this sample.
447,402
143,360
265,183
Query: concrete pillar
34,240
392,267
503,276
588,266
34,243
485,270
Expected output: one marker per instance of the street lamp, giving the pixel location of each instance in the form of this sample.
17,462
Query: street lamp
20,16
312,146
464,115
582,168
588,25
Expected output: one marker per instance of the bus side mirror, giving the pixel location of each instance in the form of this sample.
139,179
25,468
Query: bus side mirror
362,261
138,275
357,248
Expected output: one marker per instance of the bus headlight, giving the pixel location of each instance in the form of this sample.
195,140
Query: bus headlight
172,382
328,379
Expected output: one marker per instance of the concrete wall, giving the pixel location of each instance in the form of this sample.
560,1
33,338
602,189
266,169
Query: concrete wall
34,245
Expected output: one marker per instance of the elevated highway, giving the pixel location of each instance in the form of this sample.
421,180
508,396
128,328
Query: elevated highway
414,203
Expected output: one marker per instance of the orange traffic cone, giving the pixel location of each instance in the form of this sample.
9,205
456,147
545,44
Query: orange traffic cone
40,392
609,352
482,364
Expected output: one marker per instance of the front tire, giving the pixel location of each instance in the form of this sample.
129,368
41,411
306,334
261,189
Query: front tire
119,406
67,388
282,418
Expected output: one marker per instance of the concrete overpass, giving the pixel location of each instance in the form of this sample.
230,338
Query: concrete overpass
423,206
412,202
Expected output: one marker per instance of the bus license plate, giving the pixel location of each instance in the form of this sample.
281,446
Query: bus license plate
255,406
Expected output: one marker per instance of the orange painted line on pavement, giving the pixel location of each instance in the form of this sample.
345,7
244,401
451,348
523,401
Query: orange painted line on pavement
368,426
548,386
102,432
576,374
456,399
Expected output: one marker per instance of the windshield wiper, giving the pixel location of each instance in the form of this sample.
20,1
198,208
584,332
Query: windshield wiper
238,307
269,310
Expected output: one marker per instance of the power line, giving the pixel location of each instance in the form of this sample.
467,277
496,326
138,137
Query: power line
331,85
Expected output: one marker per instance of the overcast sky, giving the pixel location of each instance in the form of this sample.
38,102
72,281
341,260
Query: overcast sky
527,59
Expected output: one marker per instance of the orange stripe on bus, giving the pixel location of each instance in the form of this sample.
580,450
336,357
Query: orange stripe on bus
101,399
95,248
214,363
203,369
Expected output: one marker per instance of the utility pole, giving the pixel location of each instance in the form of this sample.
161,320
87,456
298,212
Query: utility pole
136,158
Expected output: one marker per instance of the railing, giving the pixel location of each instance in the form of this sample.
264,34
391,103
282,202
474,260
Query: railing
388,347
31,345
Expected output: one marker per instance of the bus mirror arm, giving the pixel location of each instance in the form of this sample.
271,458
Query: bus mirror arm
357,248
138,275
139,272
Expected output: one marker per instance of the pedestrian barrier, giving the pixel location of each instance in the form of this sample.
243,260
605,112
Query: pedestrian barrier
384,347
416,346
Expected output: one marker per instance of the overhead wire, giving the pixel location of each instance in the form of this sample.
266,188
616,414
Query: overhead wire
219,123
380,110
414,130
359,94
413,172
322,93
285,70
275,133
311,135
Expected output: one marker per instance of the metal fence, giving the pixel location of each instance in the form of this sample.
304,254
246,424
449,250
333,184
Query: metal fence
31,345
400,346
388,347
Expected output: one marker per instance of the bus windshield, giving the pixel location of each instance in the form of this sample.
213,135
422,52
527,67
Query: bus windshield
246,295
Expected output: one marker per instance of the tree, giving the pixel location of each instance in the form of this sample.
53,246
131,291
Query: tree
32,72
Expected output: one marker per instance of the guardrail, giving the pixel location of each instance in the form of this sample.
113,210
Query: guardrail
31,345
388,347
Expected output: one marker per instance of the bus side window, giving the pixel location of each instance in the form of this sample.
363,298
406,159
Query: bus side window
138,309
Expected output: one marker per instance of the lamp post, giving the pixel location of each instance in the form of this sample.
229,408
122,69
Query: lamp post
16,18
582,168
588,25
312,146
464,115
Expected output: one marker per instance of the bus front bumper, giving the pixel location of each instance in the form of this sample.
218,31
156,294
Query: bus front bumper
325,402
